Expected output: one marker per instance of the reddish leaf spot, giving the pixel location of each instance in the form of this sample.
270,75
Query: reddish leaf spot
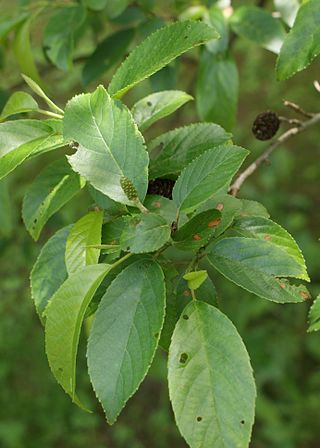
220,206
305,295
282,285
196,237
156,204
214,223
267,237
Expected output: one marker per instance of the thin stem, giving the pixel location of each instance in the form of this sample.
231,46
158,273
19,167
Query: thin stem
298,109
50,114
193,294
121,260
235,187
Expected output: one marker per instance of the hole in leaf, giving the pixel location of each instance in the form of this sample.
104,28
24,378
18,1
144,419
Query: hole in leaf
242,422
185,317
183,358
156,335
199,419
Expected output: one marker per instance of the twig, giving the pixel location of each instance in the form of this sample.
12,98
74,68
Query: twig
298,109
235,187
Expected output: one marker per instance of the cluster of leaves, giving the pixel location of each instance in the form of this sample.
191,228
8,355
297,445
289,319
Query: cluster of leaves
139,268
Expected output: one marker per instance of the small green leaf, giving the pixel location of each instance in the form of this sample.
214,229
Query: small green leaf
302,44
206,175
49,271
96,5
157,51
7,212
39,91
217,89
253,208
195,279
211,385
258,267
314,316
125,334
107,53
111,146
9,23
145,233
64,316
84,233
23,51
50,190
115,7
19,102
174,150
217,20
158,105
19,139
258,26
59,34
197,231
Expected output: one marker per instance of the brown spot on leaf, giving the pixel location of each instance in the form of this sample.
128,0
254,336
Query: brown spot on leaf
267,237
220,206
214,223
196,237
305,295
186,293
282,285
156,204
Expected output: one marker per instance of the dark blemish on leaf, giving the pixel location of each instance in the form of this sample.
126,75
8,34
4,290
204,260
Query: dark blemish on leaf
199,419
156,335
35,221
185,317
186,37
149,103
60,369
128,249
161,144
242,422
183,358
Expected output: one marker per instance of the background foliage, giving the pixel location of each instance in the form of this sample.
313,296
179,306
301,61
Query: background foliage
34,411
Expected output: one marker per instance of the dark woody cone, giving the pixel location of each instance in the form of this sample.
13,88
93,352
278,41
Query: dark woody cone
266,125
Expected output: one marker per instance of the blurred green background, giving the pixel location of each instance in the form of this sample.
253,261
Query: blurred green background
34,411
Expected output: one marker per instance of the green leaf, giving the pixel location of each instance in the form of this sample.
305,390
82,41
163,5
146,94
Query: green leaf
64,316
6,210
50,190
161,206
104,202
258,26
49,271
23,51
253,208
217,20
314,316
19,102
217,89
107,53
197,232
206,175
175,149
96,5
302,44
288,10
229,207
9,23
211,385
157,51
195,279
145,233
125,334
111,146
255,265
39,91
84,233
158,105
115,7
20,139
266,230
59,35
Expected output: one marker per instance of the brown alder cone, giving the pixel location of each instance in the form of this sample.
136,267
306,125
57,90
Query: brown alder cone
266,125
